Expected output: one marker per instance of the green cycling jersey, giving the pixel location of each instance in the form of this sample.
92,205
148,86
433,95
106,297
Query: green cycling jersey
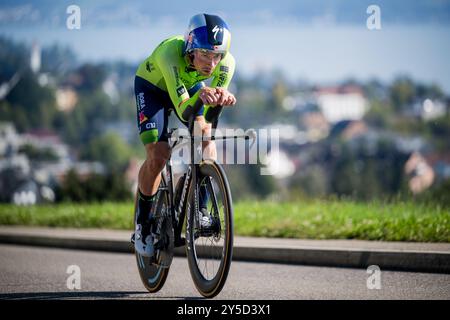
169,70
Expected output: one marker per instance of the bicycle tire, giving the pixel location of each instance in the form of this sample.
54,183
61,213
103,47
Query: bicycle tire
152,276
210,287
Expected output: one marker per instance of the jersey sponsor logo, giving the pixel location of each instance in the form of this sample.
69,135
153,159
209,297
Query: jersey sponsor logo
177,76
141,100
150,125
142,117
222,79
224,68
181,90
149,66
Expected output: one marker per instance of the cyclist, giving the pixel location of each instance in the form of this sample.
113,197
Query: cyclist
172,78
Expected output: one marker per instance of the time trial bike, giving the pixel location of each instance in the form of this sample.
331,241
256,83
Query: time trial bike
209,248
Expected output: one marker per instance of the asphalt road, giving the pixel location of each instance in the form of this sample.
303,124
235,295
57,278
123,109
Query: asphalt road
41,273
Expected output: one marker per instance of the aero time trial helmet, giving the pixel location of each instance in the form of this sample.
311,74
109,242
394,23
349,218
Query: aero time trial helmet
208,32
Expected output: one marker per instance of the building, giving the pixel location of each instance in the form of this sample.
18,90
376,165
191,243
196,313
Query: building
66,99
429,109
349,129
46,139
421,174
9,139
341,103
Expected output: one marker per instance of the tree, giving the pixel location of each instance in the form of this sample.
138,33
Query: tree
37,154
439,132
94,188
402,93
57,60
110,149
91,77
312,182
262,185
31,101
14,57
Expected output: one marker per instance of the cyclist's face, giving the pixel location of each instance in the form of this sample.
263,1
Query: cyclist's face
206,61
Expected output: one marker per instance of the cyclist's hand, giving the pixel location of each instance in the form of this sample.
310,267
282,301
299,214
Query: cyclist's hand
226,97
209,96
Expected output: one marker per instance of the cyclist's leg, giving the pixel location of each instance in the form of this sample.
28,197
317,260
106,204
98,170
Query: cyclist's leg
209,152
157,154
152,124
208,147
152,117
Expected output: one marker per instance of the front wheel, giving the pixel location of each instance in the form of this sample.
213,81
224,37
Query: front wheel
210,249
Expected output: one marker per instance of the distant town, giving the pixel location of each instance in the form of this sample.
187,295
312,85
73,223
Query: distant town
60,119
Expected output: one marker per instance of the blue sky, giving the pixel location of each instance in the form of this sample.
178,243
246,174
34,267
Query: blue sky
318,41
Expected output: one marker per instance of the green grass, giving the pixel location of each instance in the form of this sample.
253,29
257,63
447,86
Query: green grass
97,215
311,219
317,219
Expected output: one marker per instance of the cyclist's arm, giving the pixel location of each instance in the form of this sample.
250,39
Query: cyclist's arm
178,93
224,72
222,76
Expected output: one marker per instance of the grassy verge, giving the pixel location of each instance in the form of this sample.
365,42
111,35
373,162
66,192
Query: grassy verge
344,220
313,219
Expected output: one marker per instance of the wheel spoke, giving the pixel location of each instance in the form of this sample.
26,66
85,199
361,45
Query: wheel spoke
211,245
210,253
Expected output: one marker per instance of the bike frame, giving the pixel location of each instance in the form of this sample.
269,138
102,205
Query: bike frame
176,211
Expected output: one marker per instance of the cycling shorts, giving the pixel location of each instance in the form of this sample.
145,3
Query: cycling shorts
153,109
